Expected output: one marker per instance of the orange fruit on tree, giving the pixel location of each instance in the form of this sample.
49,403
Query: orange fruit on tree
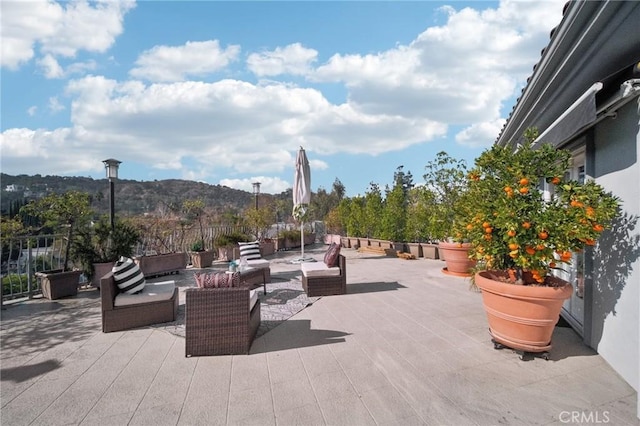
552,264
486,225
543,235
513,246
590,242
555,180
540,247
487,237
530,250
524,190
488,230
598,228
524,181
508,189
526,225
511,233
469,227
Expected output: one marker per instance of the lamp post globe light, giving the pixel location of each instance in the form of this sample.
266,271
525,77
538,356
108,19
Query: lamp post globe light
256,192
111,166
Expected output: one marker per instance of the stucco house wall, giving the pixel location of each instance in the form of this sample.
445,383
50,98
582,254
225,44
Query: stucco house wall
615,320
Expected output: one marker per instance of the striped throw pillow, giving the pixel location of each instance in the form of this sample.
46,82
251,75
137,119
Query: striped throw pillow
250,251
128,276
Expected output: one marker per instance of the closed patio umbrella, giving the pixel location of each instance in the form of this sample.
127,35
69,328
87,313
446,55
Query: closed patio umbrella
301,193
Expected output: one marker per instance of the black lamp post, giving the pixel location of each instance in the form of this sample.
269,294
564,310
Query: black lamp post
256,192
111,165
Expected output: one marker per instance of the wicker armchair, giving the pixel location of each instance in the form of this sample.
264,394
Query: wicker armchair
117,318
218,321
327,285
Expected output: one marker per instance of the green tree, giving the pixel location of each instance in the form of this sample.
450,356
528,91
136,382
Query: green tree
420,205
446,177
373,208
70,210
194,211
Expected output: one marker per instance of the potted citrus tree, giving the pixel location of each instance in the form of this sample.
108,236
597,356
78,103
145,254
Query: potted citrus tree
520,235
68,212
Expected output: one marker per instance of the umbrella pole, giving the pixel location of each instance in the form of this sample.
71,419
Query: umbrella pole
302,239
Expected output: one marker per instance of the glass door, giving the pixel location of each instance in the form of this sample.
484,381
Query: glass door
574,273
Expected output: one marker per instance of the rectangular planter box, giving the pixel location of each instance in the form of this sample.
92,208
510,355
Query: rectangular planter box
415,249
430,251
57,284
162,264
267,248
345,242
202,259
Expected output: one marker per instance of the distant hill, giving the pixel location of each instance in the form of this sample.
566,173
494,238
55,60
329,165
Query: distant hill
131,197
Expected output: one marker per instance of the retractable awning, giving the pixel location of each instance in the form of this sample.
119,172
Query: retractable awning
580,114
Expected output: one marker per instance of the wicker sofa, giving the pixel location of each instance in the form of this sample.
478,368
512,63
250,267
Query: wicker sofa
319,280
117,318
218,320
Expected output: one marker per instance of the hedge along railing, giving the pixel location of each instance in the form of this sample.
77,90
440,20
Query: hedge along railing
22,257
181,240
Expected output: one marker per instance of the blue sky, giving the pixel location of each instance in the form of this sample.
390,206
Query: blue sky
227,92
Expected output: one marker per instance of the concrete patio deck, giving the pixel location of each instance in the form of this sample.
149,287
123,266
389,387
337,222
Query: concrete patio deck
407,345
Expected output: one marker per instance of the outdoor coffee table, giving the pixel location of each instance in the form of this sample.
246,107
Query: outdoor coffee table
255,276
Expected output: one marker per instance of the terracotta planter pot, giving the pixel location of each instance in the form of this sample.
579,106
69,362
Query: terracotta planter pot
522,317
56,284
202,259
456,256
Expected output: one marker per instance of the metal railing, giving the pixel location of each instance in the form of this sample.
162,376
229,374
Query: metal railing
22,257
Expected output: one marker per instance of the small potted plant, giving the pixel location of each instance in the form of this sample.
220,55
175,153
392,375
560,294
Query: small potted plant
68,211
520,235
195,212
227,245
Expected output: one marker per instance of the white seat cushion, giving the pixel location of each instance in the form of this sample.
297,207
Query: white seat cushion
319,269
253,299
258,263
152,292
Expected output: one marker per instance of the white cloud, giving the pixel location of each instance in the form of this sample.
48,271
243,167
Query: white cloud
268,185
59,29
50,67
55,105
32,110
458,74
480,134
176,63
293,59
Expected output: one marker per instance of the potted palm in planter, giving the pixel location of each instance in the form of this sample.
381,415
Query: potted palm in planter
97,247
68,211
446,177
519,237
